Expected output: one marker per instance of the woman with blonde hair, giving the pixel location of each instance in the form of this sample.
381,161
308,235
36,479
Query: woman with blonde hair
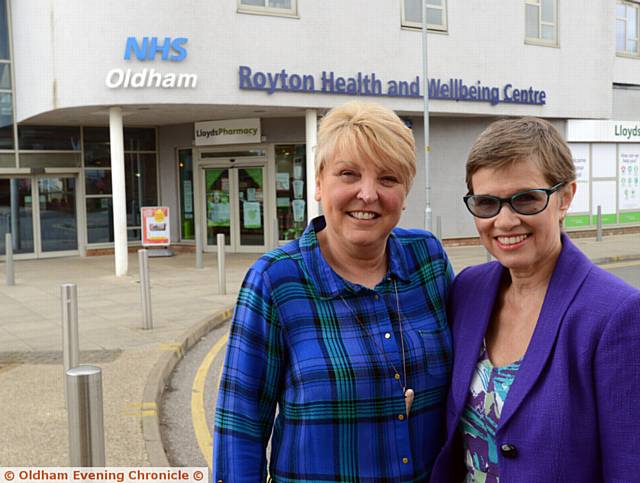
343,330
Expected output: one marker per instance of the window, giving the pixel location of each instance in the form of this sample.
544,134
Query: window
541,21
627,28
436,14
291,190
141,185
269,7
57,138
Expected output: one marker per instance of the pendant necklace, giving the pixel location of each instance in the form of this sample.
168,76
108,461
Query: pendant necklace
408,393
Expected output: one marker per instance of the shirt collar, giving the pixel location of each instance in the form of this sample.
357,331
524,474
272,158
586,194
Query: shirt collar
328,283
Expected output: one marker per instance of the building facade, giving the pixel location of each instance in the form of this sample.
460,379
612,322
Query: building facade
210,108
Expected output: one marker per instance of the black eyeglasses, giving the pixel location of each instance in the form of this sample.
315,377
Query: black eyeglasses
529,202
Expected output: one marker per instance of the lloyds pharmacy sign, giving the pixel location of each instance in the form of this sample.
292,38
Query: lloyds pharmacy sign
370,84
148,49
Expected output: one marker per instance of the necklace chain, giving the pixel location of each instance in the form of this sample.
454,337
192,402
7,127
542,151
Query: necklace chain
403,383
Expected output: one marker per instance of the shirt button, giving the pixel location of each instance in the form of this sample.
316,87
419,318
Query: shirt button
397,376
387,335
376,297
401,417
508,450
405,460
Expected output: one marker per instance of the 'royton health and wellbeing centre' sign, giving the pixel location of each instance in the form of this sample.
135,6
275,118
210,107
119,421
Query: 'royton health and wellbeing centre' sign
370,84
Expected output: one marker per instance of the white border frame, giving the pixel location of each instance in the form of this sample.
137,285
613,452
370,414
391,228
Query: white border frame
539,40
430,27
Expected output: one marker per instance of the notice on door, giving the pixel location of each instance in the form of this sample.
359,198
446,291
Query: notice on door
155,226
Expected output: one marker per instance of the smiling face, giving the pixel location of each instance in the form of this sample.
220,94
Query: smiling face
521,242
361,203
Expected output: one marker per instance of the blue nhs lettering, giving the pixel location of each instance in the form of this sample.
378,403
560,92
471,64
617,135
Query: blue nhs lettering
149,47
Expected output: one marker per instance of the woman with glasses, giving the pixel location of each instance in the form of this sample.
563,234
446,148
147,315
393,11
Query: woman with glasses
546,376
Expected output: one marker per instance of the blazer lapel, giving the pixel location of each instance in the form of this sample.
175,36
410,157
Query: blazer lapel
570,271
474,316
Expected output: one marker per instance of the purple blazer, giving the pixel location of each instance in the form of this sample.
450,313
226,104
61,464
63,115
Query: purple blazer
570,415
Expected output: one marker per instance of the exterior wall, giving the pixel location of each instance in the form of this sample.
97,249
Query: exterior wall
76,47
62,52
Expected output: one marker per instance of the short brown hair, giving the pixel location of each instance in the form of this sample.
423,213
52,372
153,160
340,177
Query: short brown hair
371,131
510,141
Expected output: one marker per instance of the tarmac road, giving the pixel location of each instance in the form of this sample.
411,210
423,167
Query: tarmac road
184,422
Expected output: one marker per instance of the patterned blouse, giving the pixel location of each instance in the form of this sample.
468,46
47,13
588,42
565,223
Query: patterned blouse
487,394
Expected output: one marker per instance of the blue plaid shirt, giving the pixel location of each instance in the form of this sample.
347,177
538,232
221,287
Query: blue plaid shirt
296,345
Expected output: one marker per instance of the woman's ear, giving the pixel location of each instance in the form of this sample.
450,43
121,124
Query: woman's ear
566,195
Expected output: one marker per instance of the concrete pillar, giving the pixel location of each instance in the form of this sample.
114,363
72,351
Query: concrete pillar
311,130
116,139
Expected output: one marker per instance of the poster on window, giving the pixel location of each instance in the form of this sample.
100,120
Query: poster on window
251,212
155,226
580,155
629,177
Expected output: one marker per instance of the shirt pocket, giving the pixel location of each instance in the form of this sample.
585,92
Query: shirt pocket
436,343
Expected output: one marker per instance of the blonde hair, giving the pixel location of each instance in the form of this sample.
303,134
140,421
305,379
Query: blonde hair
510,141
369,131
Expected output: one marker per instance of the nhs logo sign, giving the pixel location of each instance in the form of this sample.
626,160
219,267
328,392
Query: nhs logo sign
144,49
150,48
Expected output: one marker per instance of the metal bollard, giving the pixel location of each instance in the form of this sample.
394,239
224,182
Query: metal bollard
599,224
439,227
70,341
145,289
8,260
86,422
222,282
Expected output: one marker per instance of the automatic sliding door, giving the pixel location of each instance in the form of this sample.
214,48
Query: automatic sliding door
251,199
16,214
58,221
218,199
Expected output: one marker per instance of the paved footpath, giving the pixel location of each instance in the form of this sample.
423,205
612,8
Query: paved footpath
33,418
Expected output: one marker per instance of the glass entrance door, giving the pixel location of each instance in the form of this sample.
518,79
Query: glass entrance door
40,213
57,213
235,206
16,214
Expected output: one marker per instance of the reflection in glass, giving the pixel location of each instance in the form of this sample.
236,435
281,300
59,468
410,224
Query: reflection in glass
218,204
620,35
139,139
140,184
548,13
16,214
134,234
96,147
6,121
58,225
251,196
413,11
5,76
533,22
61,138
4,31
97,181
434,16
99,220
185,167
